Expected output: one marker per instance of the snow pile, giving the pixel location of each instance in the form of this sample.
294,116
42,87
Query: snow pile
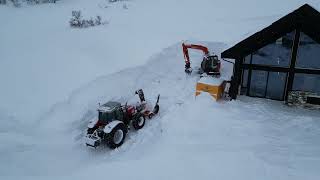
212,81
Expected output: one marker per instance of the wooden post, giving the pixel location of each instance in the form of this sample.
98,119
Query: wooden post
293,62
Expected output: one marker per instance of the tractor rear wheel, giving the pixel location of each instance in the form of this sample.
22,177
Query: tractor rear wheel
116,137
139,122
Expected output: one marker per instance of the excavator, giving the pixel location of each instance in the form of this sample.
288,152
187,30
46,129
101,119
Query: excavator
210,64
210,81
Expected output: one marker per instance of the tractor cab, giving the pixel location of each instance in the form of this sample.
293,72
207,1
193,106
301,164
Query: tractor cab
110,111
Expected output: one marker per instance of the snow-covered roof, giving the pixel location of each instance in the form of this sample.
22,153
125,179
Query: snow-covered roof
211,80
109,106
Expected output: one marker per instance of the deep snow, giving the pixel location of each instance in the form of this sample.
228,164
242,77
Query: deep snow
43,60
52,78
192,138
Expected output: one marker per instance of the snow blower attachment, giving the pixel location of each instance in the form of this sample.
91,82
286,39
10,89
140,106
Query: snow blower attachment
114,121
209,71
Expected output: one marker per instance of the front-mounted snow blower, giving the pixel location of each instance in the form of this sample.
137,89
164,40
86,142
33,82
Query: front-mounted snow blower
114,121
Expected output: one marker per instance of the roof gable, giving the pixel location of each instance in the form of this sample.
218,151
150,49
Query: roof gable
306,18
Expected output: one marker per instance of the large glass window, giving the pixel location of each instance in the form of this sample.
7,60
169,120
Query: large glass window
247,59
277,53
268,84
258,83
276,85
244,81
306,82
308,53
245,73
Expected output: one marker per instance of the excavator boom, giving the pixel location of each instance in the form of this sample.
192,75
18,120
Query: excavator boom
185,48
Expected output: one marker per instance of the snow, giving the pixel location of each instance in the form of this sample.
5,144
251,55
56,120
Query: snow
53,77
211,81
106,109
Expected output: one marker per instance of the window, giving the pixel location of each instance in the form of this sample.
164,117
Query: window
247,59
269,85
119,114
306,82
244,83
276,85
308,53
245,77
258,83
277,53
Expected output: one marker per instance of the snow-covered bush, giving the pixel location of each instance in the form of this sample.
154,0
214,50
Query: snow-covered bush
18,3
3,1
98,20
40,1
78,22
75,21
113,1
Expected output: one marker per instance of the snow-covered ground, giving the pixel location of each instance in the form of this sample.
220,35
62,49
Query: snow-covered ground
52,78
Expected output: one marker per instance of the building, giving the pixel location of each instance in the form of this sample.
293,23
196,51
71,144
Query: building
280,60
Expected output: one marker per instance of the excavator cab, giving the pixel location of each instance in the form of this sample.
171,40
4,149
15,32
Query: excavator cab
211,65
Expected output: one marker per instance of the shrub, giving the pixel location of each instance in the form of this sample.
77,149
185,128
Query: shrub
77,21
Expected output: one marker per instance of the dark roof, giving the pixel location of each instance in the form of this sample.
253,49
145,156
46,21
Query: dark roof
306,18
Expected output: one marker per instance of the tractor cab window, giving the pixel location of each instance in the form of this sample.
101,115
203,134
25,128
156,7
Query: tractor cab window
104,116
119,114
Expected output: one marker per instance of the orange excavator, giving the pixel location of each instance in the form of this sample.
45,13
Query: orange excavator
209,65
210,81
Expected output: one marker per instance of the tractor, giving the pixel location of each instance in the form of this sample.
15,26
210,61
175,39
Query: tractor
114,121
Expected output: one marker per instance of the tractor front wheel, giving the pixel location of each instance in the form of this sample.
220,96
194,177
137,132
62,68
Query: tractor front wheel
139,122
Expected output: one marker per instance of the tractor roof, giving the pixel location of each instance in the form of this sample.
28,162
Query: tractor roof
109,106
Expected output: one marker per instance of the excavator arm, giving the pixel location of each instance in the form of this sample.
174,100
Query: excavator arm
185,48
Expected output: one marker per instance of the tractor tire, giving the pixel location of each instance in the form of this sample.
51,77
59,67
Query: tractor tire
139,122
117,136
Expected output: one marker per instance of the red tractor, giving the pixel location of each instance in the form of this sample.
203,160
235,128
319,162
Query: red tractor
114,121
209,65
